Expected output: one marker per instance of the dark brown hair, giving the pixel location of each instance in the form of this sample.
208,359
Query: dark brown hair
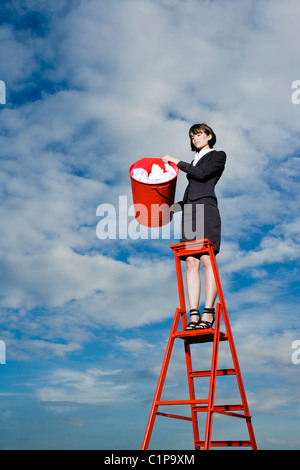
197,129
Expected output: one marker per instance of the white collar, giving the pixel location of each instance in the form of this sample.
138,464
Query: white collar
201,154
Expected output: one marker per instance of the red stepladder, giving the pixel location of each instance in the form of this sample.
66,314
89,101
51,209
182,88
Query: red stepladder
215,336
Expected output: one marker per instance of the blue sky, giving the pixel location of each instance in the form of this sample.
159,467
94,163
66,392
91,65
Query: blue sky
91,87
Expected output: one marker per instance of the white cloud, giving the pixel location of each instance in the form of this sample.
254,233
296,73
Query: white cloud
81,387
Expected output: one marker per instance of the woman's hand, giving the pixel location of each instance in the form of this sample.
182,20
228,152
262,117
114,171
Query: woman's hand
168,159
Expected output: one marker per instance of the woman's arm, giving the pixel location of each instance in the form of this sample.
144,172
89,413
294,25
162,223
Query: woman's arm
168,158
212,166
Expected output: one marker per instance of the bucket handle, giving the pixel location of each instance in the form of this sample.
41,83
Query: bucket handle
155,189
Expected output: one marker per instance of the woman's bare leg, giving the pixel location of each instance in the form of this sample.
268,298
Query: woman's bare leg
210,287
193,284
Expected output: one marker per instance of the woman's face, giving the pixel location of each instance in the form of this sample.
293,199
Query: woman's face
201,140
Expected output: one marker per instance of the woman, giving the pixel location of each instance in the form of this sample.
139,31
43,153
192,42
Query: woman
203,174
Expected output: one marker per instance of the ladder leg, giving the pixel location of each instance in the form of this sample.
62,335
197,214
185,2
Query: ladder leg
188,357
239,380
161,381
232,348
189,368
213,375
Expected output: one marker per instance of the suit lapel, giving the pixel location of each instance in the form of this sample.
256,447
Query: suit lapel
202,159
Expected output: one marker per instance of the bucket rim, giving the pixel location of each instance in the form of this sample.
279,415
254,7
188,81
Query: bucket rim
173,165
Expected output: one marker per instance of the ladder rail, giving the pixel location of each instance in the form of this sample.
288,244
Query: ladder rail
212,384
161,380
232,345
188,358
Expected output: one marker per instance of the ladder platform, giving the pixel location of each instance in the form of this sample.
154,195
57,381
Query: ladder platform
187,248
200,336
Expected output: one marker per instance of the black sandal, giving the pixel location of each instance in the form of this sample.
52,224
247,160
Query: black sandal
192,325
202,325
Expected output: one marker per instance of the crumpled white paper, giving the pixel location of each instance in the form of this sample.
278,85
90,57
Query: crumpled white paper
157,175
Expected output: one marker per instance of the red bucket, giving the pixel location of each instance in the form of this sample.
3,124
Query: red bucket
152,202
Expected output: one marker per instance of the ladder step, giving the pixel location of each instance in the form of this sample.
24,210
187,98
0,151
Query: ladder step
180,402
169,415
222,408
207,373
227,443
200,336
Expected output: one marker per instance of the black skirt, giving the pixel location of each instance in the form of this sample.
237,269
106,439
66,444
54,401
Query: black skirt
201,219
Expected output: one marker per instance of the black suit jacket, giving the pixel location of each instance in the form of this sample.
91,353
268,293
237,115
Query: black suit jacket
203,176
